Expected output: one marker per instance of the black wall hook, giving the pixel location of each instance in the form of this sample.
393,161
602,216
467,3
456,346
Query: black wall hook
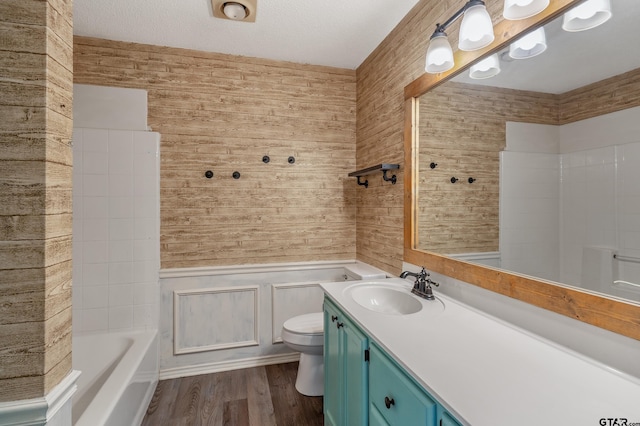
433,165
266,159
471,180
291,160
208,174
454,179
236,175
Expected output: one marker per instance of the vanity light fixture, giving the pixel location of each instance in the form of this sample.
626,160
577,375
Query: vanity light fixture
486,68
587,15
238,10
476,32
529,46
522,9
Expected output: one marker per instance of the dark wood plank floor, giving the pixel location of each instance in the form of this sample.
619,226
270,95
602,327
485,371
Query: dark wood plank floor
252,397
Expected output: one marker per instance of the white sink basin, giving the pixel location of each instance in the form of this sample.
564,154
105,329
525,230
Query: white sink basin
390,300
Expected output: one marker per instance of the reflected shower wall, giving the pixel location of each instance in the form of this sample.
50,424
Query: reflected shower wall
564,214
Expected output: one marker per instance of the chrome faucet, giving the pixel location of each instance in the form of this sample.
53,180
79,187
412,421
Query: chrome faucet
422,285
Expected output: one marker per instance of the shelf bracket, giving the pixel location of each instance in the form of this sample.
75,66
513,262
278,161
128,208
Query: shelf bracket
391,179
365,183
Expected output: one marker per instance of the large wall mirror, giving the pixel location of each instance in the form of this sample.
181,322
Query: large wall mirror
534,173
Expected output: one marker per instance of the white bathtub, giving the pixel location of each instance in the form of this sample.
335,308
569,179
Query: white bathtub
119,376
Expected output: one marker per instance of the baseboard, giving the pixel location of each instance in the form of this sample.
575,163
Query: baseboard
237,364
39,411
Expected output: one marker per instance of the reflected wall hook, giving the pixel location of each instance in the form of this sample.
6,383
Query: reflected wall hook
365,183
471,180
291,160
454,179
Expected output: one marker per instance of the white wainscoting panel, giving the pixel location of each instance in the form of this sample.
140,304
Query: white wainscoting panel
290,300
211,319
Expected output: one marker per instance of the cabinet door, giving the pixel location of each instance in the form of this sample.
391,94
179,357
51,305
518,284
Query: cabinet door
447,419
356,376
375,418
398,399
333,367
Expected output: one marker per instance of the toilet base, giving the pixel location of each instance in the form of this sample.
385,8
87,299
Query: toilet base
310,379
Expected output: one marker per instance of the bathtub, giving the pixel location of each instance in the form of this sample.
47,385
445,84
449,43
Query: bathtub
119,376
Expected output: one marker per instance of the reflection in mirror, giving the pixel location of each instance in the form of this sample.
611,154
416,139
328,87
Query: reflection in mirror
546,161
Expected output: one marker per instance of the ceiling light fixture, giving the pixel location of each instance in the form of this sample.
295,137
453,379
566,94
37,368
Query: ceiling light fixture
530,45
476,32
238,10
486,68
587,15
235,11
522,9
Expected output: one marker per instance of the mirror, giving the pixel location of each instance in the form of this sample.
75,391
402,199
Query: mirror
530,170
554,161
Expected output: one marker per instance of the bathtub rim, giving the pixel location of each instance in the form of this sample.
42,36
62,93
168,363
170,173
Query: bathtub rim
105,401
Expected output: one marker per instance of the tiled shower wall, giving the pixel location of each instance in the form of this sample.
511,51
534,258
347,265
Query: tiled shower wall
115,230
585,195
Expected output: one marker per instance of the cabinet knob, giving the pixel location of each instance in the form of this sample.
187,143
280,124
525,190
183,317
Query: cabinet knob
340,324
388,402
334,318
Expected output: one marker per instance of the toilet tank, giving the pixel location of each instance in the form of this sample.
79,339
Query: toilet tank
361,271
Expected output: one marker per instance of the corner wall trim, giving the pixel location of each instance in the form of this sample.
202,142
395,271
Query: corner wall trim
253,268
38,411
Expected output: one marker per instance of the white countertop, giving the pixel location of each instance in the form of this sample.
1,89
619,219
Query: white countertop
488,372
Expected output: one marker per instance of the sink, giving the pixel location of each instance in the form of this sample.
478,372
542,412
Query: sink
391,300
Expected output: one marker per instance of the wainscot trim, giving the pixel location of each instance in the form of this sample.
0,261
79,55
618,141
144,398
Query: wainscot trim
177,294
38,411
252,268
216,367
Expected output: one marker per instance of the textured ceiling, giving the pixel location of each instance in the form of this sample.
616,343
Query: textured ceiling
336,33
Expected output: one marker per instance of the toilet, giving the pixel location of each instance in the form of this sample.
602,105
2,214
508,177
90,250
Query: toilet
305,334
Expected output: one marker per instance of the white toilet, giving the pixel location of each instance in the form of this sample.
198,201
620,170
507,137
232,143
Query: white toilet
305,334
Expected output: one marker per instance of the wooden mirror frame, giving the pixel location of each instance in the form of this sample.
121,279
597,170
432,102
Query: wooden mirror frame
608,313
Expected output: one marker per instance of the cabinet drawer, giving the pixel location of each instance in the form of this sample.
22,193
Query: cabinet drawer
395,396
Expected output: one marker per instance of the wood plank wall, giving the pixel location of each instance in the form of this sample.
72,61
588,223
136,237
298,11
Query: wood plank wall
462,128
224,113
606,96
35,196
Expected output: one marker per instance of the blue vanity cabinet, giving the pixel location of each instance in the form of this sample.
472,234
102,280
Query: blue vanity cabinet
345,370
394,398
446,419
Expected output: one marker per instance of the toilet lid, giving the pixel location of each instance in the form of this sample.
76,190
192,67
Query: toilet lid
305,324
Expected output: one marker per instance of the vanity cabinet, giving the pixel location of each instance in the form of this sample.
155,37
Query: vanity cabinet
345,370
364,385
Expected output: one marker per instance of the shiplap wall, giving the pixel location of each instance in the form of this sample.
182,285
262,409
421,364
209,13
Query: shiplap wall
462,128
224,113
35,196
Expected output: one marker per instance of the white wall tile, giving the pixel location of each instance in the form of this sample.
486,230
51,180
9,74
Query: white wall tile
105,229
95,297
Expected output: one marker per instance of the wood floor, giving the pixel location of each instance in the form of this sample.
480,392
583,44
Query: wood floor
253,396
